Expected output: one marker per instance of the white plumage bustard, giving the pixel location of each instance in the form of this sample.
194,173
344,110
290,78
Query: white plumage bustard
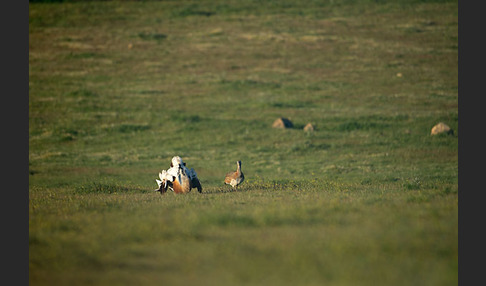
178,178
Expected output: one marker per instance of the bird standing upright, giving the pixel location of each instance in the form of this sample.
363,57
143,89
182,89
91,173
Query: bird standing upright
235,178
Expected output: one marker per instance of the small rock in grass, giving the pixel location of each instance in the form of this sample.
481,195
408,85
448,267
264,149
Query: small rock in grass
282,123
441,128
309,127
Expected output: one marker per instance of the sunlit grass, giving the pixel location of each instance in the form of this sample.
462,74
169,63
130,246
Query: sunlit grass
116,88
325,229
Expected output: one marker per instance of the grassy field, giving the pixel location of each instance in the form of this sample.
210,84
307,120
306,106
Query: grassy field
116,88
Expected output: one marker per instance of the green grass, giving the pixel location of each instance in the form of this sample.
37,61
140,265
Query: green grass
116,88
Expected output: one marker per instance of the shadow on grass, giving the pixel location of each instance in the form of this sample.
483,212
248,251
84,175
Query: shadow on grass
256,186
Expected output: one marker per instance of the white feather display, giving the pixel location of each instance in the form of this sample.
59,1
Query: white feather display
178,178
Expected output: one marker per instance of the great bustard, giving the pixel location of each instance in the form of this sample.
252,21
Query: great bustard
178,178
235,178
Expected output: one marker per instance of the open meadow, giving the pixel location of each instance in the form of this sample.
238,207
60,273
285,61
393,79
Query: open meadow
117,88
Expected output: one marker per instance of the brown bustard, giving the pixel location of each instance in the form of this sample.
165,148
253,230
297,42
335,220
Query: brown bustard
235,178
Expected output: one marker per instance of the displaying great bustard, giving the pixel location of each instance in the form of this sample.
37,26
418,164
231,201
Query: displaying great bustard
178,178
235,178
